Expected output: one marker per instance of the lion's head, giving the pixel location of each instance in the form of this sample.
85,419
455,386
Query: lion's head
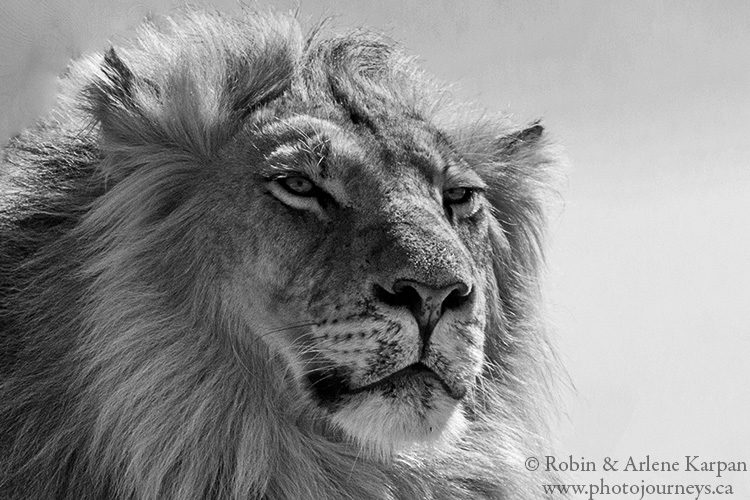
368,270
270,262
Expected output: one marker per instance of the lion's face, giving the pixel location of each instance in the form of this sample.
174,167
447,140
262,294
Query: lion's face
366,267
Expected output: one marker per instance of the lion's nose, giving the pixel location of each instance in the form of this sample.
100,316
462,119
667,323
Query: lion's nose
426,303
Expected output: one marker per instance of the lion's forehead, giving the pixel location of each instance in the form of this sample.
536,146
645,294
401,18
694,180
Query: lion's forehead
405,153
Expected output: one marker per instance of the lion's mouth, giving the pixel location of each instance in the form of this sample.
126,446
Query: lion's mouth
417,370
330,385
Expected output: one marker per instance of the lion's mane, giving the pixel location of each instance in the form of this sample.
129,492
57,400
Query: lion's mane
120,375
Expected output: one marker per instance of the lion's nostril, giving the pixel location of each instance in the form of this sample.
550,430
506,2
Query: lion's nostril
400,296
426,303
457,298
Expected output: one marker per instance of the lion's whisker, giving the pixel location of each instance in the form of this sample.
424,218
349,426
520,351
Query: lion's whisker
287,328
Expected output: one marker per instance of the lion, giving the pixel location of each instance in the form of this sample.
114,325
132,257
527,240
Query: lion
241,262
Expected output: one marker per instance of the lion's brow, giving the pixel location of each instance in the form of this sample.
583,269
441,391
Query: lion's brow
296,157
285,153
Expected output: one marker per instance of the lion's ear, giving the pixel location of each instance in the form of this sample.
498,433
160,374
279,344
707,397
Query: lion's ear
523,142
120,84
520,170
113,92
111,99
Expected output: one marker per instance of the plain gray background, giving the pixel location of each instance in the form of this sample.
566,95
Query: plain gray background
649,267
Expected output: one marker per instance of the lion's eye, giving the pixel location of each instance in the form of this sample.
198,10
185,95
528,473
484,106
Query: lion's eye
298,191
298,185
461,202
455,196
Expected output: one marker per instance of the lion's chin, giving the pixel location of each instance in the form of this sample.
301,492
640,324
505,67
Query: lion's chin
390,417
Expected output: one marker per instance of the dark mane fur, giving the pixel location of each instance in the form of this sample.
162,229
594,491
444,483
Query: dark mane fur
114,384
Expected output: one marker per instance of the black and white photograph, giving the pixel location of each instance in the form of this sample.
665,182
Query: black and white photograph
394,250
